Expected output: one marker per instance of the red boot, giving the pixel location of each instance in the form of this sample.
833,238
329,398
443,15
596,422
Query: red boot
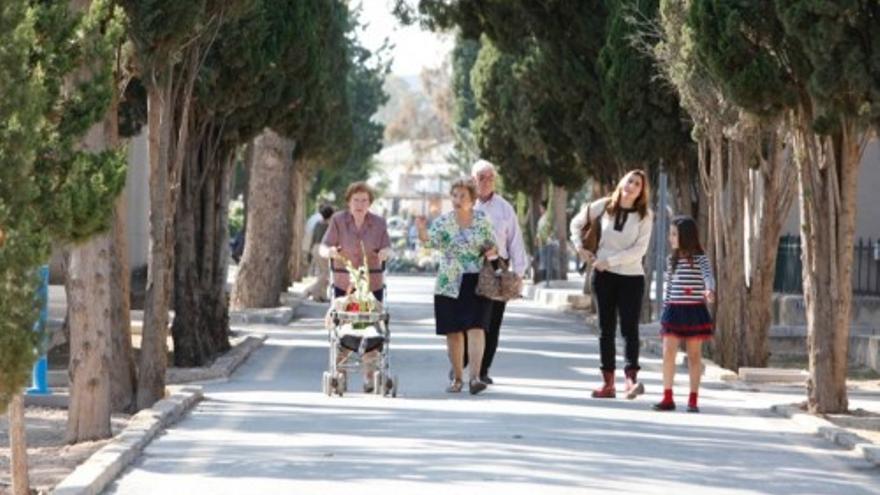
634,387
606,391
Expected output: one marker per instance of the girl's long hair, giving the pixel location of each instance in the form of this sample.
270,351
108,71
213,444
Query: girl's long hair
688,240
641,203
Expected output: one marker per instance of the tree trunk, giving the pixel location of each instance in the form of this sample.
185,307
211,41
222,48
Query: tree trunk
827,171
560,227
201,322
153,359
191,348
89,310
261,274
771,193
123,377
724,176
535,198
649,264
169,103
704,217
18,446
123,374
88,286
297,205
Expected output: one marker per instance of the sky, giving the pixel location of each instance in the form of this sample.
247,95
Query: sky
414,48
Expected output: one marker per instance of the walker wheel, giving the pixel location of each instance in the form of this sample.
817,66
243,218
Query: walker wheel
325,384
378,382
393,385
339,384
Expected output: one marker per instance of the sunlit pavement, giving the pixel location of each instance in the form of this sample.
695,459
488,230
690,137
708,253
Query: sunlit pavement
270,430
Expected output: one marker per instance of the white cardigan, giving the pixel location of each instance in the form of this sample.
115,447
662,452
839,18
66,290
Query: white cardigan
624,249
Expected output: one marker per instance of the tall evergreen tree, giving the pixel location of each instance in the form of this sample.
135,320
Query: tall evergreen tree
366,94
568,34
277,66
22,129
810,62
170,40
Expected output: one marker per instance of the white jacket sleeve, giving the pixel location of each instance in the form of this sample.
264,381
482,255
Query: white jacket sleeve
590,210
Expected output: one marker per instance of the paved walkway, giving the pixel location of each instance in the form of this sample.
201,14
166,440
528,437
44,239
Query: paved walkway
271,431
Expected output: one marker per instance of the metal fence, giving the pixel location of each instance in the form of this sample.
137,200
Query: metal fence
866,267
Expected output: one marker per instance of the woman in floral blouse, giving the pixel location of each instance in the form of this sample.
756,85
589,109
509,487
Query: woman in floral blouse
464,237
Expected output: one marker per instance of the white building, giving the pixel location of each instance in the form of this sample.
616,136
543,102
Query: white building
413,178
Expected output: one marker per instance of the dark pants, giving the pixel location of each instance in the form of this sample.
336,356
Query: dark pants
619,296
492,334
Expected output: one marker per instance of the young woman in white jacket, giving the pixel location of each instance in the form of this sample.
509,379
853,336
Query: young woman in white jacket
618,275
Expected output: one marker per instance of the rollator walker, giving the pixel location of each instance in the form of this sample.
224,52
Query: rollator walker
359,337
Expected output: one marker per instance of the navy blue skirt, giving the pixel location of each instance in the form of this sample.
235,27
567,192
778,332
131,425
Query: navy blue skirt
687,321
467,311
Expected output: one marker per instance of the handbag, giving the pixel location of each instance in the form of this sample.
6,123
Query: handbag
591,234
499,284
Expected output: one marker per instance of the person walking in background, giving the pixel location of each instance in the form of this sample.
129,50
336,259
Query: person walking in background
318,289
464,237
511,248
309,238
619,277
689,285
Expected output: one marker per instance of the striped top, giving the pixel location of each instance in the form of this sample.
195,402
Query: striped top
691,279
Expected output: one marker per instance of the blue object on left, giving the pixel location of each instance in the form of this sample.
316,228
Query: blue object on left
40,382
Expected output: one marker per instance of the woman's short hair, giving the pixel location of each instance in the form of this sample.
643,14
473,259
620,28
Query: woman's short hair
467,184
358,187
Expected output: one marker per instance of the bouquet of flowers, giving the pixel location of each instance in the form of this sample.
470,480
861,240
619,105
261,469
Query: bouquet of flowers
360,299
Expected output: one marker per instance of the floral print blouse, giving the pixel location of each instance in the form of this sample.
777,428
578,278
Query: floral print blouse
461,249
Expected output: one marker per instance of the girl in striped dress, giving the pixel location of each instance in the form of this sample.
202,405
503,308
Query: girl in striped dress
689,286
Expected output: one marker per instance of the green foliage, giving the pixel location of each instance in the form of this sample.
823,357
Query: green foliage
818,56
464,109
160,29
77,186
640,113
840,40
56,78
366,94
276,65
558,43
236,217
21,126
518,124
464,56
746,51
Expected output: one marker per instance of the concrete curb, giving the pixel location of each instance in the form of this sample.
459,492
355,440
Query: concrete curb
222,368
819,426
281,315
93,476
560,295
830,431
822,427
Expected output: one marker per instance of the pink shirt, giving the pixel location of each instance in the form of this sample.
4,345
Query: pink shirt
343,234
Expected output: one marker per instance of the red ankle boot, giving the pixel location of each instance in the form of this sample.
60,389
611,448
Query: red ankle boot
634,387
606,391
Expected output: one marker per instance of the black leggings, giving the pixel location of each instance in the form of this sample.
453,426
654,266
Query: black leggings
619,295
